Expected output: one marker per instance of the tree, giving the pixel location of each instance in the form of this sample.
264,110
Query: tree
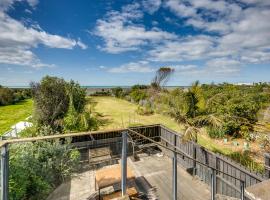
78,95
51,101
162,76
6,96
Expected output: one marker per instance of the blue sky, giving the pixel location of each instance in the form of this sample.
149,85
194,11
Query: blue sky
124,42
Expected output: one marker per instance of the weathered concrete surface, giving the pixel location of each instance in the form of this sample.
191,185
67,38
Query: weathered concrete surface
259,191
156,170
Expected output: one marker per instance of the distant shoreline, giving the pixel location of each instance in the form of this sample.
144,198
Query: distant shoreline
99,87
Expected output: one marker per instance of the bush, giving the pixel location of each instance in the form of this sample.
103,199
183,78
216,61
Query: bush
145,110
38,168
118,92
6,96
215,132
138,95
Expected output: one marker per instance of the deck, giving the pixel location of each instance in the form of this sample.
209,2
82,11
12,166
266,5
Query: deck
156,170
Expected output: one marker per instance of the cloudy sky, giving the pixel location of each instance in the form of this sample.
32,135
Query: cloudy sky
124,42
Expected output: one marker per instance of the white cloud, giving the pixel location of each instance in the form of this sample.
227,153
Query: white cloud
223,66
190,48
17,40
151,6
121,35
134,67
6,4
243,31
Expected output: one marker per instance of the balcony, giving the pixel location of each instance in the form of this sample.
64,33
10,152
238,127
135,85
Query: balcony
145,162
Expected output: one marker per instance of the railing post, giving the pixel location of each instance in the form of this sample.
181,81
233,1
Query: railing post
242,188
194,156
174,176
213,184
267,165
174,168
4,172
124,164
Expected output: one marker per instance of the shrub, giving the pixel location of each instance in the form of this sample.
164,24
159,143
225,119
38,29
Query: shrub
138,95
37,168
117,92
215,132
145,110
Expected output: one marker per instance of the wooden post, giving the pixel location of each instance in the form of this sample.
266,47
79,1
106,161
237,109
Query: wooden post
267,165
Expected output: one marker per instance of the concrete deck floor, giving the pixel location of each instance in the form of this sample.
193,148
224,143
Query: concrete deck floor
156,170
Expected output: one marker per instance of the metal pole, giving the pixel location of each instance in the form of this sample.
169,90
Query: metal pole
4,172
174,175
242,187
213,184
124,163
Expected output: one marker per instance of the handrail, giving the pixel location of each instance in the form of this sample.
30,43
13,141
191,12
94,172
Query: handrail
58,136
176,150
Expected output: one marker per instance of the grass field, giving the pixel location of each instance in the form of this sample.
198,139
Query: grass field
118,113
11,114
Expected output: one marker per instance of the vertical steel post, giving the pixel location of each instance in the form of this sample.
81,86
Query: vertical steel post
174,175
174,168
124,164
4,172
213,184
242,188
267,165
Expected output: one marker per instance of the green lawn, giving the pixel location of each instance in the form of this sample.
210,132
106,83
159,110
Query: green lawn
119,113
11,114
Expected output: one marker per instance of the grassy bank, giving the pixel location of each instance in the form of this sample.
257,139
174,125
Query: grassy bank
11,114
118,113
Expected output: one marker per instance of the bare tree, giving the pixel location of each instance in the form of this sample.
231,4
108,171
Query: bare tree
162,76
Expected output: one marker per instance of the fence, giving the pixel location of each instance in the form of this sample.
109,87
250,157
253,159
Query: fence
230,175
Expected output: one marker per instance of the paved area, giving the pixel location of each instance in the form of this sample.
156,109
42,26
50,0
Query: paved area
156,170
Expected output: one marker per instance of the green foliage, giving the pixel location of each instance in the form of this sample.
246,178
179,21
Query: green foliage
61,105
78,95
51,101
10,96
118,92
145,110
246,160
235,108
215,132
138,94
37,168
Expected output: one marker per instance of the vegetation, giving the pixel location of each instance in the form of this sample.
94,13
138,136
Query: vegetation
37,168
60,105
11,114
124,113
11,96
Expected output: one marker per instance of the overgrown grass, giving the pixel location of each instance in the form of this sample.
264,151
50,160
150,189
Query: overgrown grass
118,113
243,158
11,114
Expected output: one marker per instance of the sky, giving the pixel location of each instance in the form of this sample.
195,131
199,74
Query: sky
124,42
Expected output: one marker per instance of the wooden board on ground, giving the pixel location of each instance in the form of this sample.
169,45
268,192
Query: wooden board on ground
110,176
131,192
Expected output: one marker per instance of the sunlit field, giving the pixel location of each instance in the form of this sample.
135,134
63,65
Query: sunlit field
11,114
